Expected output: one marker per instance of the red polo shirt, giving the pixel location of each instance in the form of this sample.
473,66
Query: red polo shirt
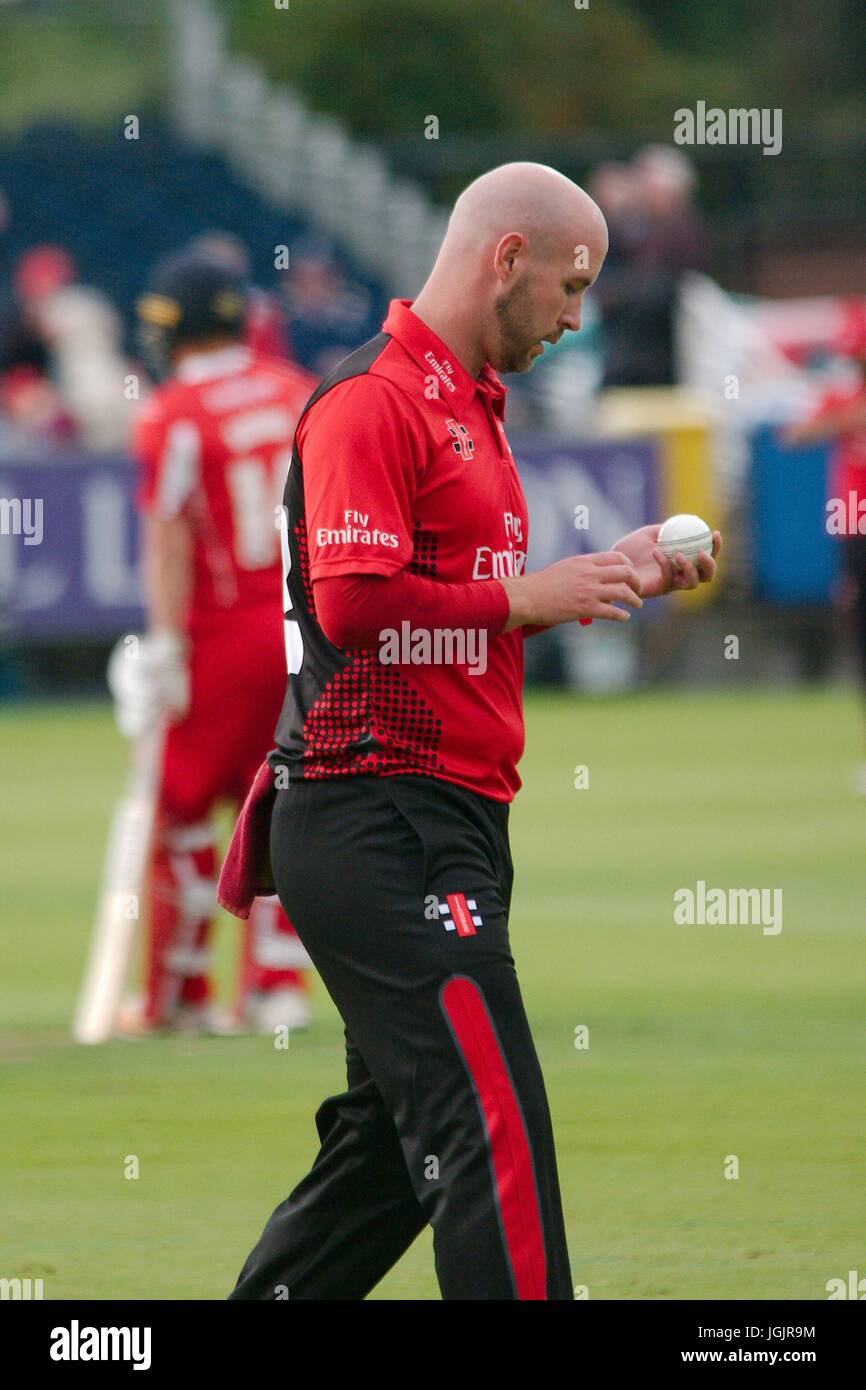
401,463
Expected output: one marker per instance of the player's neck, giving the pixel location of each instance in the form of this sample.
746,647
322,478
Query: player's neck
200,347
456,325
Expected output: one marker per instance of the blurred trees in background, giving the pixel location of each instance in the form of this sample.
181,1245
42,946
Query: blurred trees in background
547,68
542,79
534,68
518,79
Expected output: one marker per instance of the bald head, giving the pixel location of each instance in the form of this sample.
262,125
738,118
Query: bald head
531,199
523,244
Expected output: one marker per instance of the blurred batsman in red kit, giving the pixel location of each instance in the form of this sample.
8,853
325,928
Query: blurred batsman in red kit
213,445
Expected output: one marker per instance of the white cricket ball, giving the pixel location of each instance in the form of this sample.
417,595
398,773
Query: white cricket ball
685,534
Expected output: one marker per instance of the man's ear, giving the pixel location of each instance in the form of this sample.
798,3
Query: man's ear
507,253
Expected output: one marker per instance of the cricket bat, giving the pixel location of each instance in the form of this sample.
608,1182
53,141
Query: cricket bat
123,881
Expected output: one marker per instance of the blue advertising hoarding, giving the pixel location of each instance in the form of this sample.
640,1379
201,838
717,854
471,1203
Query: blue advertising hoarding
69,531
74,573
74,576
794,559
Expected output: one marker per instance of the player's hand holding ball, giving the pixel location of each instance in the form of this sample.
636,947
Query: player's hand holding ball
679,554
654,560
580,587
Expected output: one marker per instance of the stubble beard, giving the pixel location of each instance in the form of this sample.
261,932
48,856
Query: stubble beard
515,338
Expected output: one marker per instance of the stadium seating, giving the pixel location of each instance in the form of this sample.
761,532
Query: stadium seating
118,205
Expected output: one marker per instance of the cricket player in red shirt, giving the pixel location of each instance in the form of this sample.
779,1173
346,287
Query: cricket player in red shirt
840,420
213,443
406,607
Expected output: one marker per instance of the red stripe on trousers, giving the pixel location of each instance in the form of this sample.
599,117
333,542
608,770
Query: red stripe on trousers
460,914
509,1145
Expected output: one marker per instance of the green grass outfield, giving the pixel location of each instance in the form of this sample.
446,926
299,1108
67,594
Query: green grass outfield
704,1041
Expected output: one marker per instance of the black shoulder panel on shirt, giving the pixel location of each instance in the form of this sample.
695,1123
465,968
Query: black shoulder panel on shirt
321,732
355,364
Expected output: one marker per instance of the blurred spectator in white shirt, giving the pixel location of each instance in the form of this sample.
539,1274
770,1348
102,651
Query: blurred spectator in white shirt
72,335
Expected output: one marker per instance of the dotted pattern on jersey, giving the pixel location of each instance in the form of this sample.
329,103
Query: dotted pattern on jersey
424,547
304,563
362,717
368,702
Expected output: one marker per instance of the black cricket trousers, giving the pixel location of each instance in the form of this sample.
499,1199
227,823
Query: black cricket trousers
399,887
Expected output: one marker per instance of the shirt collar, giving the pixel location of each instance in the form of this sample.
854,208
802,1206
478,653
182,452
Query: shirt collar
423,344
207,366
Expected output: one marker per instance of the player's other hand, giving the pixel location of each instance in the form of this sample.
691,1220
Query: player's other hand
660,575
583,586
149,679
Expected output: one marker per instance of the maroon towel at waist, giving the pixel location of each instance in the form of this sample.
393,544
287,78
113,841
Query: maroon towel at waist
246,871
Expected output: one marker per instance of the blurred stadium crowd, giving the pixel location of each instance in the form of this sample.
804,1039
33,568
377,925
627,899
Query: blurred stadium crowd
68,353
69,371
642,410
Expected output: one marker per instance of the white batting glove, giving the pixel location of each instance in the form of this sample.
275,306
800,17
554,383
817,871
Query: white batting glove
149,679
